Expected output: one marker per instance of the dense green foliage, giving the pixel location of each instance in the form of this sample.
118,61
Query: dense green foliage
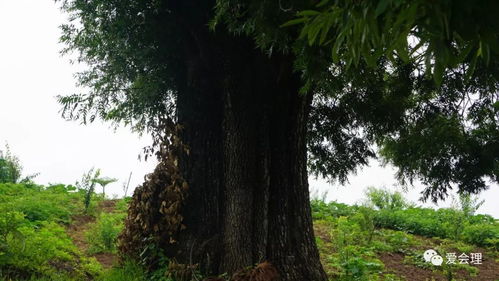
481,230
10,167
370,30
38,203
384,199
376,88
129,271
33,242
102,235
352,239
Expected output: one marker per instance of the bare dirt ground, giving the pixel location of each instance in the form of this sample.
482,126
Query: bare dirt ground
81,223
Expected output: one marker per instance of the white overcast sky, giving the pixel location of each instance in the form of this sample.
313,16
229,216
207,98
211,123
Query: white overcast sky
32,73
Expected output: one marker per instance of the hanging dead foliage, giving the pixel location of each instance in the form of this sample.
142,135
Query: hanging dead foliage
154,215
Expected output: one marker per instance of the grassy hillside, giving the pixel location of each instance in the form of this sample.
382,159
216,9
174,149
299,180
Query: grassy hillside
362,243
47,233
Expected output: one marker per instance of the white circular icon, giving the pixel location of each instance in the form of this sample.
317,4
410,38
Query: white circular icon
437,260
428,254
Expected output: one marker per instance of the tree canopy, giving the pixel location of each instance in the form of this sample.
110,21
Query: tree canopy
415,80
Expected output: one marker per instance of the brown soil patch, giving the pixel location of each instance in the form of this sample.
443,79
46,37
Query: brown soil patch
77,228
323,231
107,206
107,260
394,263
81,223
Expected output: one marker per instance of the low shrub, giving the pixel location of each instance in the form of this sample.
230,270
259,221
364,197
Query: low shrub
482,235
33,243
10,224
322,210
128,271
103,233
53,203
481,230
383,199
44,252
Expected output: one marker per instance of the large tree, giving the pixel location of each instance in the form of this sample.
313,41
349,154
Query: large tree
240,104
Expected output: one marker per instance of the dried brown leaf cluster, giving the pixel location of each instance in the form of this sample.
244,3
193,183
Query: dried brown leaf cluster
154,215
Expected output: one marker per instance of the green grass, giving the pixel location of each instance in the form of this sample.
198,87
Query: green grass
34,244
102,235
351,239
33,240
481,230
128,271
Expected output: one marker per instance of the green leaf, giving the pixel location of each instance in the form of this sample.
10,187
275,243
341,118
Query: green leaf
471,69
294,22
336,47
322,3
313,34
304,31
315,28
402,49
464,53
325,30
438,73
308,13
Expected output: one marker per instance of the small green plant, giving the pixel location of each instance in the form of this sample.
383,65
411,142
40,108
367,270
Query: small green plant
87,185
354,257
365,218
121,205
103,182
469,204
103,233
385,199
128,271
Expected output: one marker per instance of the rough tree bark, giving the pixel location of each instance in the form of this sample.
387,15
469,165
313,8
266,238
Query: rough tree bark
245,125
248,199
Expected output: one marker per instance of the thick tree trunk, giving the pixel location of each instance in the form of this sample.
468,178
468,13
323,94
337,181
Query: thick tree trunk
248,200
245,125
